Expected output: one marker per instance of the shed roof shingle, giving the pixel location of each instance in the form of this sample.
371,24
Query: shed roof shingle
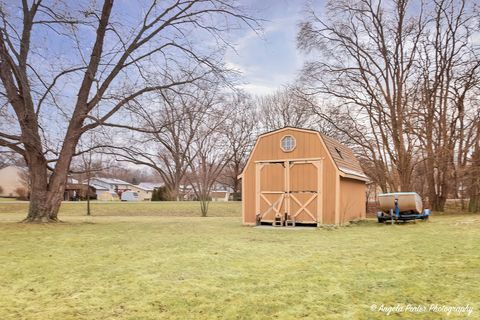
343,157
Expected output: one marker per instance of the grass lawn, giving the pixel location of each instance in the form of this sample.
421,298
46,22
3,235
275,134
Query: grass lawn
160,260
16,210
7,199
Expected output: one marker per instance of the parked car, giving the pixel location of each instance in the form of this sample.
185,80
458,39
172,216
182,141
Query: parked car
130,196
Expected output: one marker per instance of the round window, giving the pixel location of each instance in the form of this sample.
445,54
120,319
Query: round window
288,143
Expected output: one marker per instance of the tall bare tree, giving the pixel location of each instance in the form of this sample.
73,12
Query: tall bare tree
169,131
449,73
367,57
473,176
210,154
241,129
400,76
288,106
110,57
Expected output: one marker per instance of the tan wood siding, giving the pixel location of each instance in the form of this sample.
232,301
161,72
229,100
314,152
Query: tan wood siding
352,200
308,146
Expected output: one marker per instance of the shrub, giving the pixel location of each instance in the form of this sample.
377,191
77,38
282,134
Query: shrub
155,195
236,196
161,194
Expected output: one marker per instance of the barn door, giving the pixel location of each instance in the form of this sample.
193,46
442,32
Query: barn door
304,191
289,188
270,190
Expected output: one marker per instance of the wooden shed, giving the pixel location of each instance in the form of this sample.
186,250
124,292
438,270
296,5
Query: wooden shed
302,176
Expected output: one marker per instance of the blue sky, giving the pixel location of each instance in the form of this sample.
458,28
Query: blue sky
266,61
270,60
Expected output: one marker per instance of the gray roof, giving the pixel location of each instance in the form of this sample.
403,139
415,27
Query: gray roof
110,180
97,187
149,186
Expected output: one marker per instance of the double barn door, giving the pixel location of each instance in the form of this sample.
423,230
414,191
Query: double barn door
289,189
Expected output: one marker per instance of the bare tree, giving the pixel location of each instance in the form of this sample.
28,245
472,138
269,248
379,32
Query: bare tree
473,177
170,129
369,53
400,83
241,129
210,154
103,66
286,107
88,164
449,73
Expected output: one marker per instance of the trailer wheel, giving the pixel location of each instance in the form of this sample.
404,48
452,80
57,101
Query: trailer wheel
380,217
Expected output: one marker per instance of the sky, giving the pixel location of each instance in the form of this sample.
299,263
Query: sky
270,60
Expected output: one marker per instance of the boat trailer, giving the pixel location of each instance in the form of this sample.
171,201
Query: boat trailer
401,212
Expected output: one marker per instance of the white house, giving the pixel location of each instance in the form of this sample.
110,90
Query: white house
145,189
108,185
150,185
220,193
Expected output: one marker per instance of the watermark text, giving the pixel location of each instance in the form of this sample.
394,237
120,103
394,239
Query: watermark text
465,310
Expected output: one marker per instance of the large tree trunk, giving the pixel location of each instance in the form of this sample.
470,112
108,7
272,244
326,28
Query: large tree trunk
474,183
44,206
46,192
38,211
44,203
474,203
437,203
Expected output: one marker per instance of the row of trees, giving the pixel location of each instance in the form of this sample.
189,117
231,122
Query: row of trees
400,80
198,137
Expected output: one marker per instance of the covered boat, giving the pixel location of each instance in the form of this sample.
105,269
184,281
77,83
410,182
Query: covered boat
407,201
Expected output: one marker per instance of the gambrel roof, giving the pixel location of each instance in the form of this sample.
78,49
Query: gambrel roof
343,157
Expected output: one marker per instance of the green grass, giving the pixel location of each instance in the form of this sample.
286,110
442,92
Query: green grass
74,210
7,199
160,260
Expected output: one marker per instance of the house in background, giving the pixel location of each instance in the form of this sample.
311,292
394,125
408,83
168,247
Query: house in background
220,193
79,191
99,190
12,182
108,196
145,190
109,189
187,192
150,185
72,180
105,187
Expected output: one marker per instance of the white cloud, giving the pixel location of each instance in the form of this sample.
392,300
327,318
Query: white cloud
271,59
257,89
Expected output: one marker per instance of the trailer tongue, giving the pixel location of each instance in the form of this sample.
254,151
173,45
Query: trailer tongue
401,206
